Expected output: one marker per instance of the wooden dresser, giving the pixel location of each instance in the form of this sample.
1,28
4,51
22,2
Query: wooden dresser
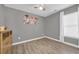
5,41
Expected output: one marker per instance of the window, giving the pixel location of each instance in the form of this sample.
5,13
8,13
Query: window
70,22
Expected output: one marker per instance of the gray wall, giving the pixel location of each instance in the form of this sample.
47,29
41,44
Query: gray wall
52,25
25,31
52,28
71,40
70,9
1,15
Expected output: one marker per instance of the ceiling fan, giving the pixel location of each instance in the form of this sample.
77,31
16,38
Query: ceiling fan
40,7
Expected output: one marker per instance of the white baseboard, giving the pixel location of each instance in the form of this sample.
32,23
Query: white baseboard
48,38
28,40
73,45
78,46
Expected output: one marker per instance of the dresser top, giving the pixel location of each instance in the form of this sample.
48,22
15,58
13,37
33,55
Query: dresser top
5,31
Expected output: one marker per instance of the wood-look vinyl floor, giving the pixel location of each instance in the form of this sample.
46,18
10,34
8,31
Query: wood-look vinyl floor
43,46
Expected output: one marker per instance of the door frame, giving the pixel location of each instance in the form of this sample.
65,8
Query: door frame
61,27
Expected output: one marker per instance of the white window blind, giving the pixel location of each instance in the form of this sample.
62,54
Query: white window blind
70,22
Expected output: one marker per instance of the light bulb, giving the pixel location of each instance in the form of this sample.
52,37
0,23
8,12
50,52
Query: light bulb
41,8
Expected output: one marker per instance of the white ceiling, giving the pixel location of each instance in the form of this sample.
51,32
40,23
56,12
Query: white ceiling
50,8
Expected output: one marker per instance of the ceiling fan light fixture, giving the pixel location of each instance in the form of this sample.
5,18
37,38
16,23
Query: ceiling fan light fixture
40,7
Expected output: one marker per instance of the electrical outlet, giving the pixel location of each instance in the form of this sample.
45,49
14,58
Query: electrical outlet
19,38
